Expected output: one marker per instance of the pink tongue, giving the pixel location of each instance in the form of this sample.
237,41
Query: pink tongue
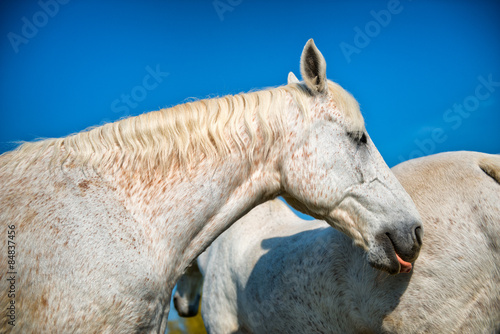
405,266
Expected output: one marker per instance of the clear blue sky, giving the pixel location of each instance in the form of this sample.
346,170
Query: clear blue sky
426,73
407,71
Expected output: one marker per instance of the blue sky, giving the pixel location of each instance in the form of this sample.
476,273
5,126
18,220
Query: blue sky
426,73
410,71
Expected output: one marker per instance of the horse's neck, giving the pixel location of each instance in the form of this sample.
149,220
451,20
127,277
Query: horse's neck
184,212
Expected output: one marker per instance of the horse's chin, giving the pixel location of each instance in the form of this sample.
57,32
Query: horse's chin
391,268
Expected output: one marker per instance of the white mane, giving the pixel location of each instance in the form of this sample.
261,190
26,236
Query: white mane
186,133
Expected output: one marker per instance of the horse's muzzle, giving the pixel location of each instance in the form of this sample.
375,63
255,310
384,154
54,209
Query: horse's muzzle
406,243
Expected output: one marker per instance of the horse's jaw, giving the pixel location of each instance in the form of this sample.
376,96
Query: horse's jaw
391,238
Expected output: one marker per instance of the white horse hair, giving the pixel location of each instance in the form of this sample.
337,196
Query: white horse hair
104,222
272,272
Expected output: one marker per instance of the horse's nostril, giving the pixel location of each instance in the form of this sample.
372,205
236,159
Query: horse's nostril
176,302
419,233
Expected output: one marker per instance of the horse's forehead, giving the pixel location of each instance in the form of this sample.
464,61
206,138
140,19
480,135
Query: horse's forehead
347,114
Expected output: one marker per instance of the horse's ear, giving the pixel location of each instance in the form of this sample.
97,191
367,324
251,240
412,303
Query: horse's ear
313,68
292,78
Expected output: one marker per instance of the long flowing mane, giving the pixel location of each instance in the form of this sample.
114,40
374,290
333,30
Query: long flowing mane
185,133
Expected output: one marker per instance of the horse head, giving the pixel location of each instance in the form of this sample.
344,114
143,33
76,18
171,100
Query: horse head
332,170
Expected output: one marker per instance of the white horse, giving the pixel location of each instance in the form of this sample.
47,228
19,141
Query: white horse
104,222
273,272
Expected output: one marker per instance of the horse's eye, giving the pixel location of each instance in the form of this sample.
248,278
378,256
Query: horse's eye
359,137
363,139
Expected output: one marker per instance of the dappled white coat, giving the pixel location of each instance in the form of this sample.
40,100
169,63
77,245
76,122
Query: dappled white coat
273,272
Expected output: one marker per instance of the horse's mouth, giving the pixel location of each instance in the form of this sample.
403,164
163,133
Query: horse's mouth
388,258
404,267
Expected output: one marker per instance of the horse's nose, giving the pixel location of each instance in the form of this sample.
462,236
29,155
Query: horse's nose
177,304
395,248
407,239
418,234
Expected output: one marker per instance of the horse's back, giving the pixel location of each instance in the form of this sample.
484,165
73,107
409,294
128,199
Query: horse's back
456,173
456,276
